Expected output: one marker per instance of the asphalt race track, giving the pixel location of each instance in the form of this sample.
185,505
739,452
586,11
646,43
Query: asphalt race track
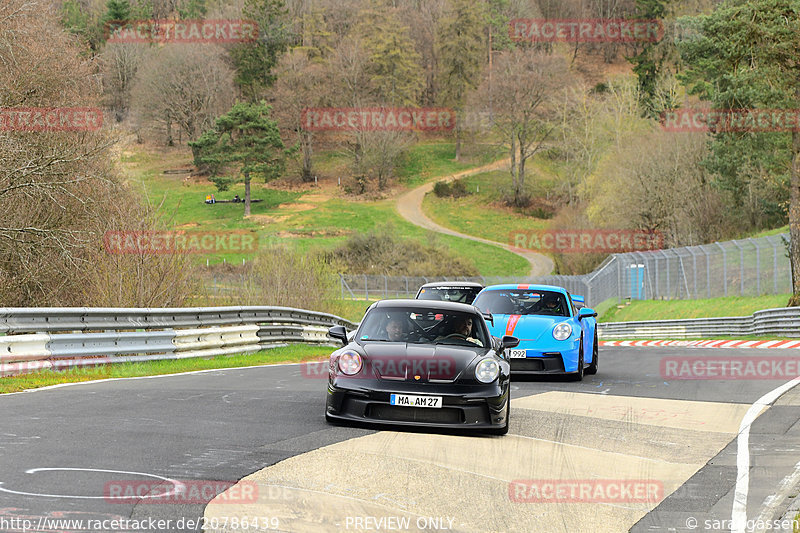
62,448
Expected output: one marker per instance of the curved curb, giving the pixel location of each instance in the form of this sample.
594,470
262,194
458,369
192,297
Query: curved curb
724,343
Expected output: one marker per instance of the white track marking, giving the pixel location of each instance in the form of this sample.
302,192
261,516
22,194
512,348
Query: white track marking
739,511
90,382
179,487
771,502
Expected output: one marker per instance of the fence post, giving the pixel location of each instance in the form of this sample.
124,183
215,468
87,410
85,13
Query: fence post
741,267
694,269
385,286
708,271
774,266
724,268
666,260
758,265
366,288
655,261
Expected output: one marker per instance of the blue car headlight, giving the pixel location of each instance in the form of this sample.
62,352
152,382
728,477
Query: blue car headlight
562,331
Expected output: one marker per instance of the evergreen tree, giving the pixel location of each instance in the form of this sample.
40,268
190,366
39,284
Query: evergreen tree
461,49
748,57
246,138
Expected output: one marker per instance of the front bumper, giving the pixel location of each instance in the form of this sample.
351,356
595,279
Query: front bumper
561,359
463,406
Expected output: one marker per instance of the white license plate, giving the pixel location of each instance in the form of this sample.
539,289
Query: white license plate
406,400
516,354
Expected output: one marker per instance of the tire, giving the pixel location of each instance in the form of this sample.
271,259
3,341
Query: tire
592,368
578,376
503,430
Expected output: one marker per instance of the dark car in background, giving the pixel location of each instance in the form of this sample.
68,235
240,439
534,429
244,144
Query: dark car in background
450,291
421,363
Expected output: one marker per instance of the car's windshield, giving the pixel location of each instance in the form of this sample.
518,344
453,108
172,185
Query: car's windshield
522,302
423,326
464,295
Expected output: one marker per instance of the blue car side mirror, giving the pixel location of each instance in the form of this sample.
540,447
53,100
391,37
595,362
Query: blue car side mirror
585,312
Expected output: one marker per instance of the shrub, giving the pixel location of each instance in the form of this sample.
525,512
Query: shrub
384,253
454,189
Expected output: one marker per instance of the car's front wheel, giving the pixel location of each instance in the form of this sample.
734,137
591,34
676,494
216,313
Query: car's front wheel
592,368
578,376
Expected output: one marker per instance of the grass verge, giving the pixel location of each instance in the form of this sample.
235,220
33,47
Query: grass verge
294,353
475,215
712,307
309,221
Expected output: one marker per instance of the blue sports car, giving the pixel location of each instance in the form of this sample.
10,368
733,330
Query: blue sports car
556,336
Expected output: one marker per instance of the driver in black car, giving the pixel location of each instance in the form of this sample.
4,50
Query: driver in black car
462,329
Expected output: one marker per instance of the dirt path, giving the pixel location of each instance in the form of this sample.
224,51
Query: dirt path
409,205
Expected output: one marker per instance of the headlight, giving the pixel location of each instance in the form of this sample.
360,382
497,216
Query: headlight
562,331
350,363
487,370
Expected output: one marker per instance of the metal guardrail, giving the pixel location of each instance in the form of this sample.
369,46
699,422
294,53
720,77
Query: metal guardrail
49,319
784,321
41,338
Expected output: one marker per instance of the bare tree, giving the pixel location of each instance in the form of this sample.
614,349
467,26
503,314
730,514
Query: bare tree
300,84
58,188
424,20
373,154
527,96
655,182
120,62
180,89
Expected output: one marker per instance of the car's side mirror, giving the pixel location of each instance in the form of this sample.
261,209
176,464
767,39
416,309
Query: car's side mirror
508,342
338,332
488,318
585,312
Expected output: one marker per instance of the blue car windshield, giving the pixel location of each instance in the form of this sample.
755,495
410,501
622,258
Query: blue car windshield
423,326
523,302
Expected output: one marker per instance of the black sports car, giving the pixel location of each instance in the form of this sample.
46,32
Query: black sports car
417,362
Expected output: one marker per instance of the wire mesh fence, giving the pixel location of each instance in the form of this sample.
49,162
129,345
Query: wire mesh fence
747,267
